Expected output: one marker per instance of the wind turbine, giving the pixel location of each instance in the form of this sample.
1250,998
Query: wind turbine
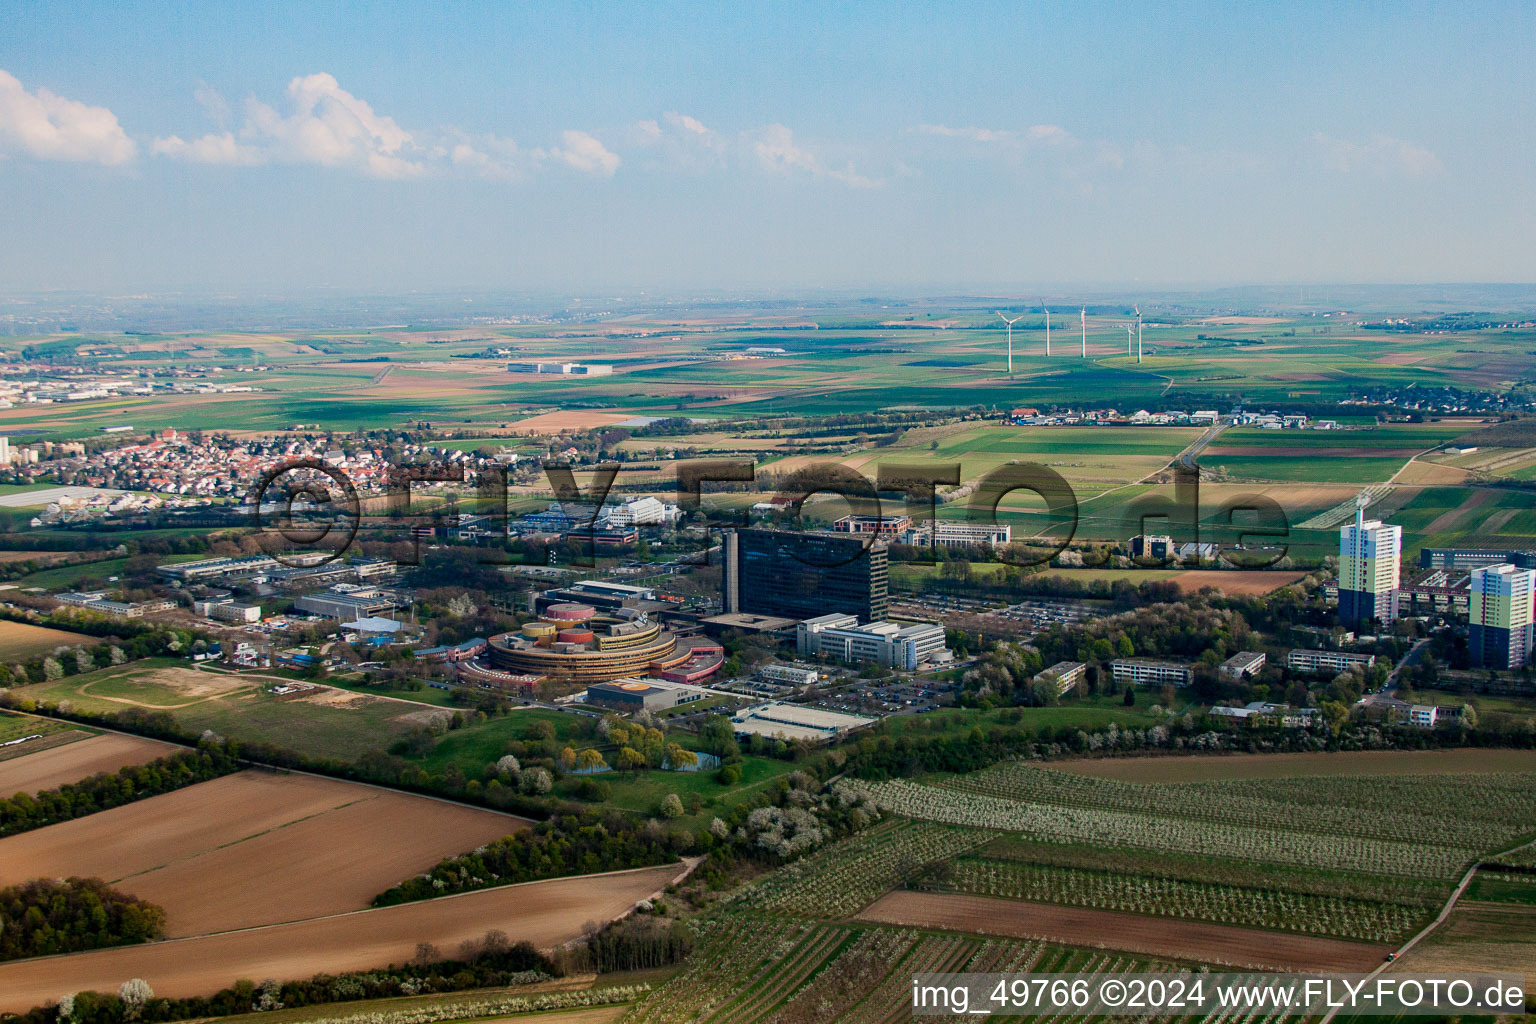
1010,324
1047,331
1130,336
1084,316
1138,333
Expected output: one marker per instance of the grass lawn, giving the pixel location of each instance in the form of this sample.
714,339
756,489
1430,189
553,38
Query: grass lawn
1088,713
95,573
1496,886
475,746
426,695
248,713
644,791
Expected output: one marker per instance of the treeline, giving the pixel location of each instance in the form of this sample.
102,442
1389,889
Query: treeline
568,844
23,811
491,962
120,642
640,942
47,916
586,842
905,756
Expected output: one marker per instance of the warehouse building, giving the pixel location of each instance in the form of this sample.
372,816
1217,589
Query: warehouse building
640,695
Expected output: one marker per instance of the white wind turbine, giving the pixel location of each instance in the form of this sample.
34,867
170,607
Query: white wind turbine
1010,324
1130,338
1084,317
1138,333
1047,331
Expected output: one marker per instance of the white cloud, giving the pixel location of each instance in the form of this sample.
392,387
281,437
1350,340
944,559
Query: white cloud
969,133
680,142
212,101
585,153
329,126
1379,154
1045,134
776,150
692,125
491,156
49,127
210,149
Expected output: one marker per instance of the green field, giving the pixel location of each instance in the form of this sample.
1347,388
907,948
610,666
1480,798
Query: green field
237,707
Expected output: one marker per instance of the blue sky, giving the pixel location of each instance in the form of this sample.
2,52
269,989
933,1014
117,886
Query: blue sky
682,148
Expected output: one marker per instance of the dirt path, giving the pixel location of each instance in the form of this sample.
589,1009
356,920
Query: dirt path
1133,933
85,691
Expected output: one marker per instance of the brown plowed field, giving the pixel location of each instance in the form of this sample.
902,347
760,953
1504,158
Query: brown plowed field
1134,933
567,419
544,913
72,762
255,848
1236,581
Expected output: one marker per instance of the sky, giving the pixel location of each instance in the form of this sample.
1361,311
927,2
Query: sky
671,149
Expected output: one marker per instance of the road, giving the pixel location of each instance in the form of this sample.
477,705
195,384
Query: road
1388,689
1188,456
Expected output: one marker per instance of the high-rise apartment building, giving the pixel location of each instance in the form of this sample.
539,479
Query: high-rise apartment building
1369,553
1501,613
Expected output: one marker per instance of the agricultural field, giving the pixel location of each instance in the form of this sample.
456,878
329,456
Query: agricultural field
841,879
324,723
1353,763
68,755
1294,872
1133,933
545,913
21,640
1174,835
1479,937
256,848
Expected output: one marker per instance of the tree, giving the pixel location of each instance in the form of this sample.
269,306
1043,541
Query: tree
590,760
1130,697
679,758
671,806
537,782
1334,713
629,759
507,765
134,993
52,669
1468,716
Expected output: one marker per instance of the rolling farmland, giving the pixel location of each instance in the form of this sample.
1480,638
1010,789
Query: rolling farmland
255,848
82,756
22,640
544,913
1183,940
